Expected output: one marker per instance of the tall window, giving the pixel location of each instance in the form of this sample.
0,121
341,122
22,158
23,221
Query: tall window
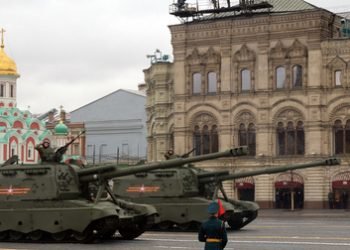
337,78
212,83
197,142
30,151
205,139
196,84
290,138
11,91
246,137
2,90
214,139
13,149
280,77
341,137
246,80
297,76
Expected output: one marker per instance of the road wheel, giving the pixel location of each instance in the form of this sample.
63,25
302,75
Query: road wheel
131,232
85,237
3,235
165,225
15,235
36,235
184,226
60,236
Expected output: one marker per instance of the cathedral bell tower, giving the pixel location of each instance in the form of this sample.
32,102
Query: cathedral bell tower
8,78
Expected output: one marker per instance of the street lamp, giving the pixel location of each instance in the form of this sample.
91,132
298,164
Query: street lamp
100,152
93,152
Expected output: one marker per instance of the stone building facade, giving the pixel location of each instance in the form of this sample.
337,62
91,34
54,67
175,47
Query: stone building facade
277,81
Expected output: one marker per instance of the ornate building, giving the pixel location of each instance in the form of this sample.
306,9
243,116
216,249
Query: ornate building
19,130
276,79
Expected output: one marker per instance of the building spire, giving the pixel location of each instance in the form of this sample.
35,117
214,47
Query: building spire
2,31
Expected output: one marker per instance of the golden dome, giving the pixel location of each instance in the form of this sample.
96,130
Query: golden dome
7,65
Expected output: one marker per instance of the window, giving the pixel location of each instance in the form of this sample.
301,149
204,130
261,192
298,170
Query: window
197,140
214,139
11,91
246,81
196,83
297,76
290,138
205,139
2,90
337,77
30,151
341,137
13,149
246,137
281,139
280,77
212,83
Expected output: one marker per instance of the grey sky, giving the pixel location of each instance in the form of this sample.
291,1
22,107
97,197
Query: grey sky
72,52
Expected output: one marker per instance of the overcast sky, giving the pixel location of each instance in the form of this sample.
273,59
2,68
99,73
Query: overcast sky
72,52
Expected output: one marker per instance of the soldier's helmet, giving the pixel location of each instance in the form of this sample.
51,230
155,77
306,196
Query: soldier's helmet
213,207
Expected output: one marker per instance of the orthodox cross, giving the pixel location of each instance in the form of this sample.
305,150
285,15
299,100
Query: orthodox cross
2,31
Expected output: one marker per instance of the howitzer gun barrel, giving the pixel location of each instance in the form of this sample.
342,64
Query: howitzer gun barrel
112,171
270,170
213,174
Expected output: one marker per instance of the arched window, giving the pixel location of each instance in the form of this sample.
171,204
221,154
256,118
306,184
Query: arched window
197,142
197,84
242,135
337,77
214,139
297,76
212,83
290,139
247,137
281,139
205,139
251,139
300,143
280,77
30,152
246,80
341,137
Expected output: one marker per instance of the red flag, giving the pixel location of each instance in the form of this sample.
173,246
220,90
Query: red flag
221,208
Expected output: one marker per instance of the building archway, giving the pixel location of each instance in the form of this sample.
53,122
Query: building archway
289,191
245,188
341,190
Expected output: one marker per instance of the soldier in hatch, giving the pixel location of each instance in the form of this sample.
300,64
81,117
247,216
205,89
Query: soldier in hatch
170,154
47,154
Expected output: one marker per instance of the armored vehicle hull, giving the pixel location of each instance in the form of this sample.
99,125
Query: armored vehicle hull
182,194
54,200
32,208
189,212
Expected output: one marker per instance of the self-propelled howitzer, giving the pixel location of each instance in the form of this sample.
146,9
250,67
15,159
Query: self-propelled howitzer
182,194
54,200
